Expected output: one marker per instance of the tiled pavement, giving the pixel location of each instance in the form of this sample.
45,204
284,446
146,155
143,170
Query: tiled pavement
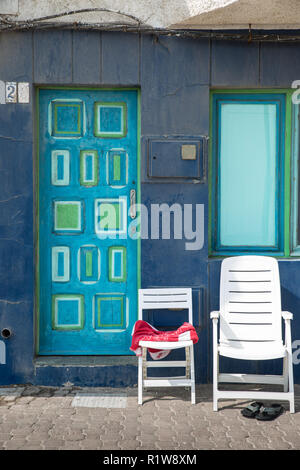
44,418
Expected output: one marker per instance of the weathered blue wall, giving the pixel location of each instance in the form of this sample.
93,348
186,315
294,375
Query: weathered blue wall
175,76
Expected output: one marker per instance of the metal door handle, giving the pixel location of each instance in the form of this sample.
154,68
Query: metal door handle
132,210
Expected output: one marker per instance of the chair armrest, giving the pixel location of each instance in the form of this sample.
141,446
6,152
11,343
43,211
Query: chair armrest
287,315
214,315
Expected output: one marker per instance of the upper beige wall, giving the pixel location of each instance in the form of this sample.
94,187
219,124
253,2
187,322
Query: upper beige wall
166,13
279,14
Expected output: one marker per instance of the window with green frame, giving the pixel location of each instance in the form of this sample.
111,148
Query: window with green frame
253,204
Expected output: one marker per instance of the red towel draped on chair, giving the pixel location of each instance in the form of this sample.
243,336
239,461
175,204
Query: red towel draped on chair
143,331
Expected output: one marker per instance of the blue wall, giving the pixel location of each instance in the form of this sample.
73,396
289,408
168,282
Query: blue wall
175,76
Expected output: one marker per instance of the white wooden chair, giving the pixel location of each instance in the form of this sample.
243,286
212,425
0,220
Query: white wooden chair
168,298
251,327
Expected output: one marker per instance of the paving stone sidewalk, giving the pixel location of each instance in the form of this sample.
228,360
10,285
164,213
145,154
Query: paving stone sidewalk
43,418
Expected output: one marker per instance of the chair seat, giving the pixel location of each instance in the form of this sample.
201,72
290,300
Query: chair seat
254,350
165,344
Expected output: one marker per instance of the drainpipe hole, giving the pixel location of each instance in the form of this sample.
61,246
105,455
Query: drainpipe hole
6,333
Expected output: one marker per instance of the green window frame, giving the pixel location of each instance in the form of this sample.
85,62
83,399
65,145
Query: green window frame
295,182
226,237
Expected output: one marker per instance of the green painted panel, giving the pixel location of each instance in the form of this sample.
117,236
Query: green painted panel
117,167
109,216
88,264
67,215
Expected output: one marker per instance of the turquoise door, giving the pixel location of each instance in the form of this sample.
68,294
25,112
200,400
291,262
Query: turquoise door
88,254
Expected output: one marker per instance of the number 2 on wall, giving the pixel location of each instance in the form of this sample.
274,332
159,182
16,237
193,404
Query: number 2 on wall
11,92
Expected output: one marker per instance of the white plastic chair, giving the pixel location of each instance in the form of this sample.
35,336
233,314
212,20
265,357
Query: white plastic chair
251,327
169,298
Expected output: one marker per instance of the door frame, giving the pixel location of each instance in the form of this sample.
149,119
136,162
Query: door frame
36,182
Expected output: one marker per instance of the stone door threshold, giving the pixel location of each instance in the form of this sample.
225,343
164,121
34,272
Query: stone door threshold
84,361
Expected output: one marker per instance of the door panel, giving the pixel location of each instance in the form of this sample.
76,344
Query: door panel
87,264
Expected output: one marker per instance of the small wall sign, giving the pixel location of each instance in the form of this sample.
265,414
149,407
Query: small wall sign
14,92
11,92
23,92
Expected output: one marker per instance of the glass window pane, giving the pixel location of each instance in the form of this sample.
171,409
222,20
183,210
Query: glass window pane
247,174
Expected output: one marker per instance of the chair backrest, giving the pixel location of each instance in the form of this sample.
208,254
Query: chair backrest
166,298
250,301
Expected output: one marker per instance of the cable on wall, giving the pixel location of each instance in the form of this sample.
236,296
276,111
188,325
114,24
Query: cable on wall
7,23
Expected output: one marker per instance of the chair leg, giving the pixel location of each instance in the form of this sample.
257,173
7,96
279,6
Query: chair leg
291,382
193,389
140,380
215,379
188,363
285,374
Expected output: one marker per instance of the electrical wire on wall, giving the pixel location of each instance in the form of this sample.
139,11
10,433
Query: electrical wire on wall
7,23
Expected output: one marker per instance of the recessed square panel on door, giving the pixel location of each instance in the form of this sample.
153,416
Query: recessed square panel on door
88,265
110,312
66,118
110,119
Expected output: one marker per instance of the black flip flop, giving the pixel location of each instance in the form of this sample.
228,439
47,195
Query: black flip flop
269,413
252,410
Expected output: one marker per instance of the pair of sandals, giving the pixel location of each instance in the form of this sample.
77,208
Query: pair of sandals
262,413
